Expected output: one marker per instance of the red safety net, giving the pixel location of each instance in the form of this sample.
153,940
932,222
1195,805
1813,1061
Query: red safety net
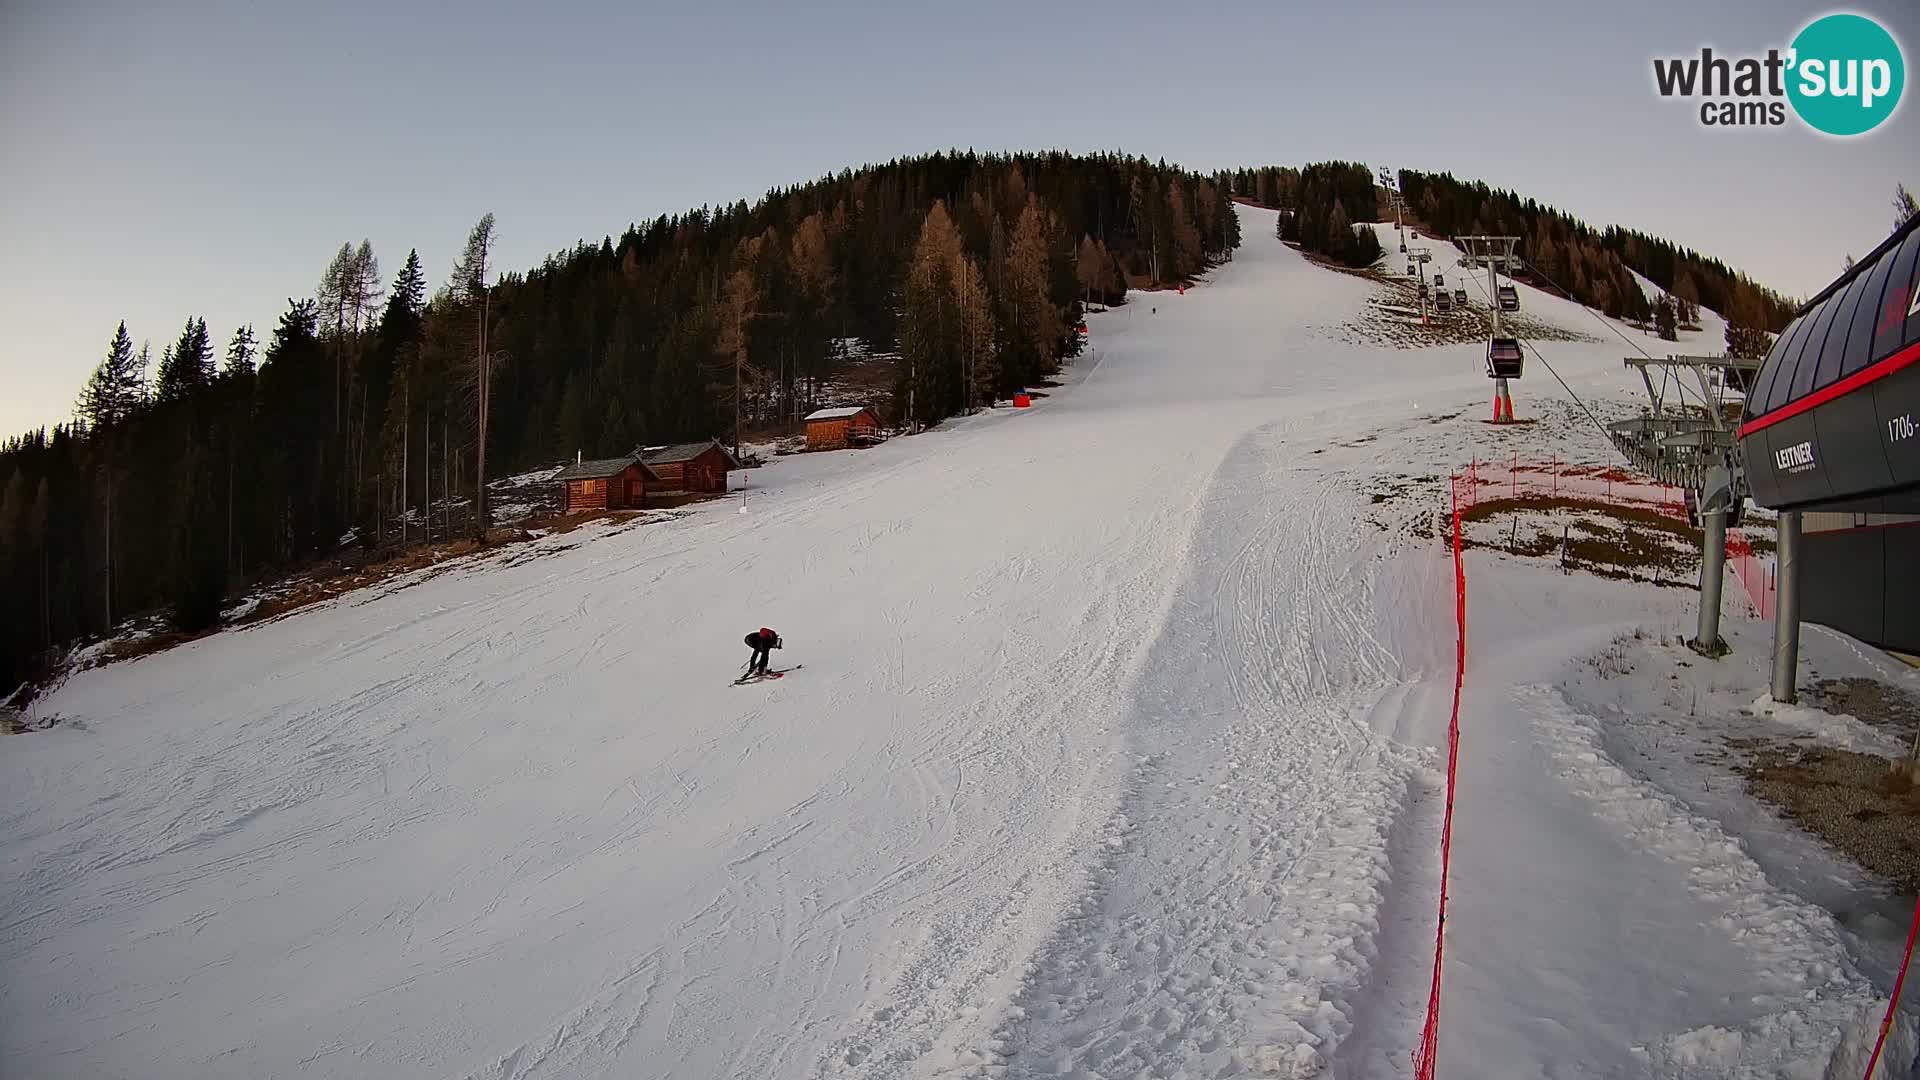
1515,477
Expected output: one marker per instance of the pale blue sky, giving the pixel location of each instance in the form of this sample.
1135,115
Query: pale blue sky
206,158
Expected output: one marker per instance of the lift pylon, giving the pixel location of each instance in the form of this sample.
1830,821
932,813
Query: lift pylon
1504,357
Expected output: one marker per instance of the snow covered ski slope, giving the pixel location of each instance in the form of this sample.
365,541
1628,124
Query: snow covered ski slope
1113,757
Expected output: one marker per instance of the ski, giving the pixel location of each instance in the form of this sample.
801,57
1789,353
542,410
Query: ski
774,674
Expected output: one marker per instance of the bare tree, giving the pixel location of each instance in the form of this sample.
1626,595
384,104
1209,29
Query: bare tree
1904,206
469,286
739,307
334,295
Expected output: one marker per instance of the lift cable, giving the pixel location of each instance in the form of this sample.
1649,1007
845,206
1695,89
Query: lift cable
1530,347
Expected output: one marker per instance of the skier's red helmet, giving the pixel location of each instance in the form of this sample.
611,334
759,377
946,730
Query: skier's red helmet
766,633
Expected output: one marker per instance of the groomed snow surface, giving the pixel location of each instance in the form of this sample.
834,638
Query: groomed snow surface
1114,755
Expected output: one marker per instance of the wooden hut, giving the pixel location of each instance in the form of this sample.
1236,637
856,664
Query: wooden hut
607,484
835,429
690,468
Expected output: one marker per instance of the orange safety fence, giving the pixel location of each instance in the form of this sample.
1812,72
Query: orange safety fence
1512,477
1893,1002
1423,1058
1483,481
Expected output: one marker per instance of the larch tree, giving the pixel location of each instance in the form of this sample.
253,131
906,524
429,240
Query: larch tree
978,336
933,378
469,286
1090,269
739,306
1038,327
811,264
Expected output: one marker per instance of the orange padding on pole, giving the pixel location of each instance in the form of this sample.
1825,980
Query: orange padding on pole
1423,1058
1899,980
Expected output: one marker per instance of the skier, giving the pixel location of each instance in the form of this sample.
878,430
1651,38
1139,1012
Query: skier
762,641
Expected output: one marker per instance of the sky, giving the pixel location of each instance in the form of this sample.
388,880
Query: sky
200,158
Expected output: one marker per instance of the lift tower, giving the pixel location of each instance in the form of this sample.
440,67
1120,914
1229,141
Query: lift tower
1690,444
1504,356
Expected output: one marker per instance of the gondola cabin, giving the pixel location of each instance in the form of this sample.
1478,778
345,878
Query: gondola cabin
607,484
1504,358
835,429
1439,279
1509,298
1460,297
691,468
1442,301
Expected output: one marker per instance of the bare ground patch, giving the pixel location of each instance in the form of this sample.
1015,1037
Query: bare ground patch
1853,801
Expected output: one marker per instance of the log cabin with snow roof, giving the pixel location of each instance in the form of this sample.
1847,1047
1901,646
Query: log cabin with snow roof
618,483
836,429
698,468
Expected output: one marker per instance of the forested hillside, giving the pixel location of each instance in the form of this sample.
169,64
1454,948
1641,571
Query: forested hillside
1589,264
183,477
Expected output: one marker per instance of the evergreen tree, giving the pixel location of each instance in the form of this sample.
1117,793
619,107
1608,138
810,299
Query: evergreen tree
199,566
113,391
186,368
409,293
579,429
1184,236
1747,342
39,522
1663,319
240,351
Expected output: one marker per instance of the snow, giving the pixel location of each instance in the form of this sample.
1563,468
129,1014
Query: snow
1548,307
836,414
1125,763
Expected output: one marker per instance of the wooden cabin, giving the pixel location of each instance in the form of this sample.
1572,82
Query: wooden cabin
836,429
607,484
690,468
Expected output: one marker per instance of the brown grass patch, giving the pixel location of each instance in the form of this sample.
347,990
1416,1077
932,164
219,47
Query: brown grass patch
565,525
344,579
1628,544
1871,701
1858,803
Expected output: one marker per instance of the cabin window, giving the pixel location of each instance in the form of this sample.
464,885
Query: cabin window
593,487
635,489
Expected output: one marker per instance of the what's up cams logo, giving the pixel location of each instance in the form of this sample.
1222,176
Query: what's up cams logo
1842,76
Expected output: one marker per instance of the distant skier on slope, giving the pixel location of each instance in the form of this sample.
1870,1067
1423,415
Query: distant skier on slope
762,641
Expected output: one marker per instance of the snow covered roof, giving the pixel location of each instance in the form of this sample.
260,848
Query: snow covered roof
599,468
679,452
838,414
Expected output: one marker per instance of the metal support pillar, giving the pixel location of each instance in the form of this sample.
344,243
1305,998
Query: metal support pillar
1713,565
1786,612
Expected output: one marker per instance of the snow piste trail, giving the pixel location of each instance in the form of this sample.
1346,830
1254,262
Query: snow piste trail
1112,758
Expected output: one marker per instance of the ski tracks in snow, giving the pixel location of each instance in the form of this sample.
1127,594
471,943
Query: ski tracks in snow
1235,925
